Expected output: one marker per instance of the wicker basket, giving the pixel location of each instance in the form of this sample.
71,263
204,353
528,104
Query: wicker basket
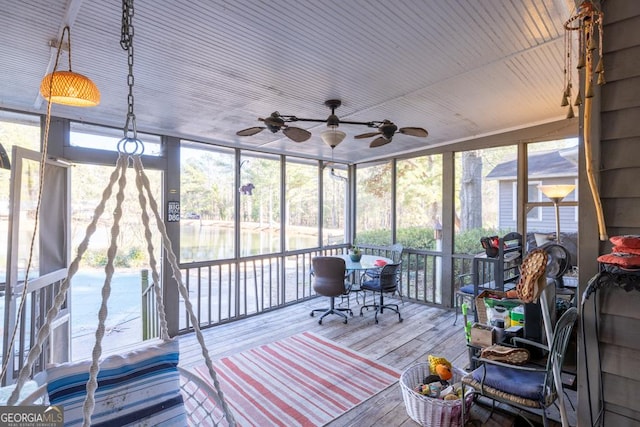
428,411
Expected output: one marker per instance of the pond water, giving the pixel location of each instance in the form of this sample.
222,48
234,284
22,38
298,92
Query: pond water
203,241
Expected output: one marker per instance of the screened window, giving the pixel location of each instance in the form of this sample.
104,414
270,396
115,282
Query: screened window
301,204
334,206
551,163
207,202
373,204
419,201
483,196
260,179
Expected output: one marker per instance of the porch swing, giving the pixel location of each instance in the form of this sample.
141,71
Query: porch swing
144,386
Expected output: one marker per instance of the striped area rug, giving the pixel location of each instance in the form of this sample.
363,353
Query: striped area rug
303,380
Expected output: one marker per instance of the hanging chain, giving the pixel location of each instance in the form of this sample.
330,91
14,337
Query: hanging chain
126,42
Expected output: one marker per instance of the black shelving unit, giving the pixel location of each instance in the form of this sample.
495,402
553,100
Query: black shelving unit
499,273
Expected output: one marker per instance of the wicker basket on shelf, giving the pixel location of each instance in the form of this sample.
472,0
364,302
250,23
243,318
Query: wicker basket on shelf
429,411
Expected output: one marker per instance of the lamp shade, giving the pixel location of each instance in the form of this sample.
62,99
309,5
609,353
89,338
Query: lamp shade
69,88
556,191
332,137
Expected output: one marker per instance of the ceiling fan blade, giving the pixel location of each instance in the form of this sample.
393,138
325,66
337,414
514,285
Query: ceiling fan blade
379,142
296,134
366,135
414,131
250,131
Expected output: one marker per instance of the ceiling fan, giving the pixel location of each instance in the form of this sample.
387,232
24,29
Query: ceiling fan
276,122
386,128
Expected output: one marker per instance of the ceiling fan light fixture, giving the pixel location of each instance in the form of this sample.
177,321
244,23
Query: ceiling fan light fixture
332,137
333,121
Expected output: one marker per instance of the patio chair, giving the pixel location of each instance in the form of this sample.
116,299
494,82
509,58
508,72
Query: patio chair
329,280
396,256
527,387
386,281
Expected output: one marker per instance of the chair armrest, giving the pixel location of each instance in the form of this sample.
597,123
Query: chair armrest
368,273
462,277
521,340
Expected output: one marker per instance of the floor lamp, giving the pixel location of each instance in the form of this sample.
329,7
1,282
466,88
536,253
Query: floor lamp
556,193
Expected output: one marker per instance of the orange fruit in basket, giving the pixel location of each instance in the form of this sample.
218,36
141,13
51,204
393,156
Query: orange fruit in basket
444,372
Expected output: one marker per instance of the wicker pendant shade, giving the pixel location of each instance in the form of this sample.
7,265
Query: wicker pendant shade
69,88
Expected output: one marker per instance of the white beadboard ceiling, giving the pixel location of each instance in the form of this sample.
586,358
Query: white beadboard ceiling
206,69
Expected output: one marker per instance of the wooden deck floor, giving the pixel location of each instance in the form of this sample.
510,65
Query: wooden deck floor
425,330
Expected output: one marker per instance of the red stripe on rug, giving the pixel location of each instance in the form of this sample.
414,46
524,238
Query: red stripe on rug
363,367
302,380
351,353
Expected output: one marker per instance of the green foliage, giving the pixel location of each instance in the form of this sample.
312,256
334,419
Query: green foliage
410,237
137,257
467,242
97,258
417,237
378,237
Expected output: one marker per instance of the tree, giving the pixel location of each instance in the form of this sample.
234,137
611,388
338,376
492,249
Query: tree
471,191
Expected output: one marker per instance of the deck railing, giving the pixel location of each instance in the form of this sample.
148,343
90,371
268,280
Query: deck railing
39,299
227,290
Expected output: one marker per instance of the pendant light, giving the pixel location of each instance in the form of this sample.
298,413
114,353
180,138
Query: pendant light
68,87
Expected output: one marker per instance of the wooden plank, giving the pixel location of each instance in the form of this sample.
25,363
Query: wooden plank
618,231
620,124
619,150
619,10
611,299
621,65
620,183
620,330
622,34
621,94
620,417
620,361
620,391
425,330
621,212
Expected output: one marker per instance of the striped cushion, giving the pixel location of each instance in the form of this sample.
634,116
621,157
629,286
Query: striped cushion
138,387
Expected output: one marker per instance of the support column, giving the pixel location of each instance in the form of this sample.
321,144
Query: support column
171,193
